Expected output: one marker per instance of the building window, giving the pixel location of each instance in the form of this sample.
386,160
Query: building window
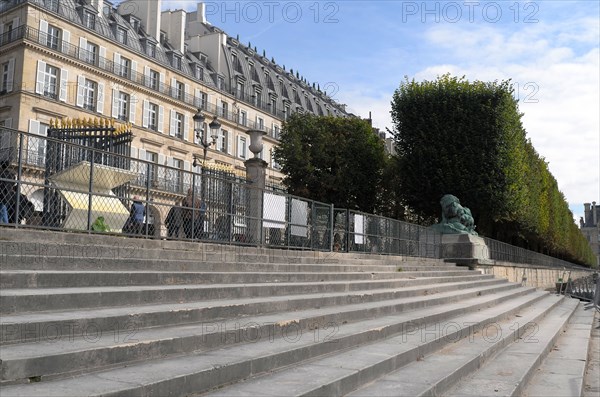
273,105
122,35
220,82
122,106
199,72
51,4
151,49
177,62
240,89
90,54
179,120
89,20
224,109
203,100
89,94
51,82
153,116
224,140
243,118
242,147
5,77
53,37
260,123
125,67
152,158
154,77
179,90
178,175
275,131
257,98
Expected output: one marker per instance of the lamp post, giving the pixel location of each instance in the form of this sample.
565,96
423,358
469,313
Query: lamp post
203,141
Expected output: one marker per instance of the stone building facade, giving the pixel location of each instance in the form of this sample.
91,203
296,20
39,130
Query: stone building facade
590,227
151,69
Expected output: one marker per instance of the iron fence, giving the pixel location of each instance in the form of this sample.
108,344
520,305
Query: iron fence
111,192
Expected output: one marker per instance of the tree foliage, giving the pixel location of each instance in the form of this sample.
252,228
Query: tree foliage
466,138
333,160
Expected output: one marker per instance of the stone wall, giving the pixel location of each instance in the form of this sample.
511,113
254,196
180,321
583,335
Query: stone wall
539,277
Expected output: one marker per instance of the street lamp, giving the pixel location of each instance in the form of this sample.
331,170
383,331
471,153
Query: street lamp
203,141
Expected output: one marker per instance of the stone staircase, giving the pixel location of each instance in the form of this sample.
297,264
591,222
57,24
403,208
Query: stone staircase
111,316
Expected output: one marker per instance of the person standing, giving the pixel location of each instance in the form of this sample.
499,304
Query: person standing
174,219
137,213
191,216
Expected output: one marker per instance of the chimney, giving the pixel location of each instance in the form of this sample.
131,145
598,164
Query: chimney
201,12
594,213
587,215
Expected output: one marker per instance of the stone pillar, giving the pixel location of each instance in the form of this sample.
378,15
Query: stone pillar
587,215
594,213
256,175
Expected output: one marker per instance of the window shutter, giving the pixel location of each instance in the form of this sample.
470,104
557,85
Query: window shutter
229,142
172,123
41,70
1,31
117,63
161,159
145,114
11,74
133,153
186,127
132,104
161,81
34,127
134,70
100,99
187,166
186,92
80,83
173,85
161,118
7,124
239,146
43,31
197,99
82,48
115,104
142,167
66,40
64,76
102,52
147,76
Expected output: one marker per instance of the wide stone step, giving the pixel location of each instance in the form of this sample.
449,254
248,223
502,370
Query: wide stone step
509,371
204,370
57,279
562,372
37,327
42,299
434,374
341,373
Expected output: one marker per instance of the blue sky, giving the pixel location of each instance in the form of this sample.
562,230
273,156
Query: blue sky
360,51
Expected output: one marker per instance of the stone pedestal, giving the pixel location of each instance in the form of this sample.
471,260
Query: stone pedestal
465,249
256,173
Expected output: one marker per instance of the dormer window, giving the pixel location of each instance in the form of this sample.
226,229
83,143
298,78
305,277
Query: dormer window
151,49
176,61
134,22
199,72
89,20
122,35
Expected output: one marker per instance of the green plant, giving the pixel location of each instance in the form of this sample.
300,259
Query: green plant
100,226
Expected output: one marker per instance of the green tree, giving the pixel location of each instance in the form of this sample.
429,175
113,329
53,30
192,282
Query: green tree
467,139
331,159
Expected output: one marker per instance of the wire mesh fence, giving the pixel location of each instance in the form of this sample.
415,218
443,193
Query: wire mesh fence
93,185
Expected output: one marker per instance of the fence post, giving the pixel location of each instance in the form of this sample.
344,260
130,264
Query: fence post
331,225
19,177
148,178
90,191
256,172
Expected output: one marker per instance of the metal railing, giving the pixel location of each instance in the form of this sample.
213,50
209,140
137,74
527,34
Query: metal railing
210,205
